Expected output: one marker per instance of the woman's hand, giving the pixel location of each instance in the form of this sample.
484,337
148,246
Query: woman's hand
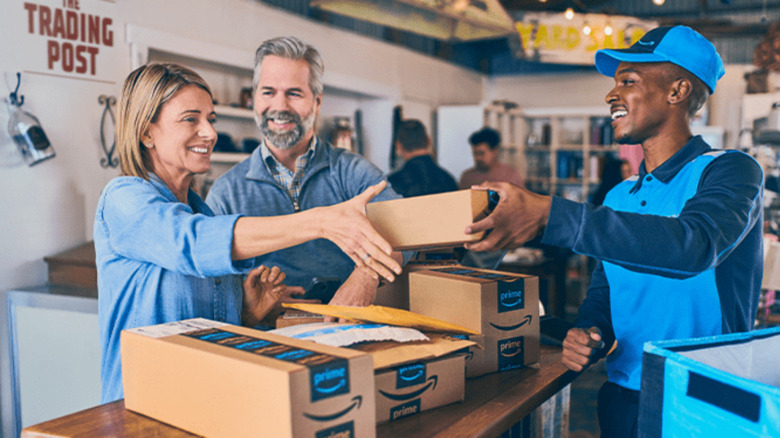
263,288
347,225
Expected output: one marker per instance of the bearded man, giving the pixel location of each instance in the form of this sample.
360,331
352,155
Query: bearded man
293,170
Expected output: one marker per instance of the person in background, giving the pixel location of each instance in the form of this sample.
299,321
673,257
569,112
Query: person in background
161,253
613,172
420,174
293,170
679,245
485,147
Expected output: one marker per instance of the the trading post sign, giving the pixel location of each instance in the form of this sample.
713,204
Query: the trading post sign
73,38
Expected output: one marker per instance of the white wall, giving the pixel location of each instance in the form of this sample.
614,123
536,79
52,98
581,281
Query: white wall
551,90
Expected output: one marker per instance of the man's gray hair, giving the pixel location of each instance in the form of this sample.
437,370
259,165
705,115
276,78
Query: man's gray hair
291,47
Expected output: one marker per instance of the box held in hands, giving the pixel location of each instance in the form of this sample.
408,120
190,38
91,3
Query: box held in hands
431,221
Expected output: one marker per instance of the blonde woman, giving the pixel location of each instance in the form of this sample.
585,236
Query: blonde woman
162,255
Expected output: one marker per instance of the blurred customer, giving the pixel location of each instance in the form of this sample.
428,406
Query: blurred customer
420,174
485,148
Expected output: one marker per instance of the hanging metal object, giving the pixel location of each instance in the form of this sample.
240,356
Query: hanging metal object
109,160
26,130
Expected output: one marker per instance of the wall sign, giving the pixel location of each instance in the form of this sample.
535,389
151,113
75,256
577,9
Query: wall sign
547,37
69,37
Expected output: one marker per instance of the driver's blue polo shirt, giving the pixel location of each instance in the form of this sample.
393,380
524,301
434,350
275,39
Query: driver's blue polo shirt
680,252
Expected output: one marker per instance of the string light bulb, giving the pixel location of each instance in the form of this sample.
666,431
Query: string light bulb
586,29
569,14
460,5
608,29
658,2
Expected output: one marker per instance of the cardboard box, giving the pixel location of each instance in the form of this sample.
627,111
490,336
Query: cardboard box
725,386
415,387
219,380
502,306
396,294
412,377
432,221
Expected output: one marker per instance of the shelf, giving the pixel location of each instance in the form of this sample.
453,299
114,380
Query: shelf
601,149
228,157
234,112
571,148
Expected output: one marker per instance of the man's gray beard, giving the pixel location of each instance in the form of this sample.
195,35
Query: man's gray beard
285,140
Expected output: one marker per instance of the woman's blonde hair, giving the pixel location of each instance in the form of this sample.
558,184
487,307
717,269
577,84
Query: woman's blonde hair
145,91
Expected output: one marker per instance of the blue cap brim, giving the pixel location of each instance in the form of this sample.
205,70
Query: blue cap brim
608,60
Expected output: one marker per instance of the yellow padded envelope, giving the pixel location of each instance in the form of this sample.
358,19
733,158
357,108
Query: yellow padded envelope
383,315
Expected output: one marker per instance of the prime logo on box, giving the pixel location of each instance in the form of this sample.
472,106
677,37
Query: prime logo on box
511,296
346,430
510,353
329,380
410,375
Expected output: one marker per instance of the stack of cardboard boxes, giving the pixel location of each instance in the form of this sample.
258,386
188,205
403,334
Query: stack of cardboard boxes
220,380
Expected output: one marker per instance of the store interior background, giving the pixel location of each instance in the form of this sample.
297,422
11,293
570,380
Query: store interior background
49,208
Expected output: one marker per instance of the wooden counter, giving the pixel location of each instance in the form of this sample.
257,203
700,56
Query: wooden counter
493,404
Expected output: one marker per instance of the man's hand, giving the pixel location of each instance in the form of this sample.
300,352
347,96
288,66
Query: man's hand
519,217
580,346
360,288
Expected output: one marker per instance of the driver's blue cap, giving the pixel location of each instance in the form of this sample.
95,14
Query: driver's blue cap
679,45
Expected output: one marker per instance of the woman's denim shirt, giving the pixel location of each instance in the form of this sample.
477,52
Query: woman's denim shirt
159,260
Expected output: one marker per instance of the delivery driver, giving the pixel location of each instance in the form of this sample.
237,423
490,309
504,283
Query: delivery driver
679,246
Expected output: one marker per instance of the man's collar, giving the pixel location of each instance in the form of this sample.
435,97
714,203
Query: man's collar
669,168
270,159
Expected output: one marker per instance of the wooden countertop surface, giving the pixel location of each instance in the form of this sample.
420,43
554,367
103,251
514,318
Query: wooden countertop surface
493,403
